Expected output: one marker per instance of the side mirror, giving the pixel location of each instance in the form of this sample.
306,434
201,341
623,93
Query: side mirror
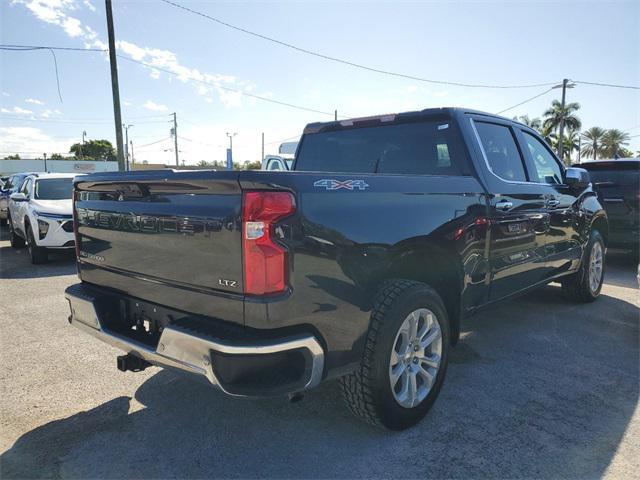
577,177
18,197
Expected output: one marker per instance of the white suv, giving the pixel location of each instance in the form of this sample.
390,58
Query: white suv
41,214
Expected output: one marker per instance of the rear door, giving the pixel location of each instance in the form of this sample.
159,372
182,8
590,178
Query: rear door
518,211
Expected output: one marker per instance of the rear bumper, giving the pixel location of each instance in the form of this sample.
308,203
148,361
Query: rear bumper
206,356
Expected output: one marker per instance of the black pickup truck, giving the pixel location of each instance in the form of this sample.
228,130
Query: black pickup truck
359,264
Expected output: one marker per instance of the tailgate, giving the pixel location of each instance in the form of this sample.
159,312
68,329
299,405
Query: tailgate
170,228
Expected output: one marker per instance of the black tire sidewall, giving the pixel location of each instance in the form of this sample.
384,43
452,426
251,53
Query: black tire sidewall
393,415
36,253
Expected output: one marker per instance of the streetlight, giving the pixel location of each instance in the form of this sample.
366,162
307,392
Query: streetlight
230,151
564,85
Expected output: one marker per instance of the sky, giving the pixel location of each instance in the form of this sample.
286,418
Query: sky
215,69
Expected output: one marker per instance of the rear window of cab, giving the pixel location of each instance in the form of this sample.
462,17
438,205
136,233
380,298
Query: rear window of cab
417,148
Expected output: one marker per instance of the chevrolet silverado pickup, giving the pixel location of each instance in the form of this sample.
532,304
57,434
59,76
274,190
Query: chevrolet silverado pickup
359,264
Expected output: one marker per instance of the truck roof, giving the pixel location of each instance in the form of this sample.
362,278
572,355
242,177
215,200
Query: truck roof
393,117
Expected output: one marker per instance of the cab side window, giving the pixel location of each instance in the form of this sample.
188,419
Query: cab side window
546,167
501,151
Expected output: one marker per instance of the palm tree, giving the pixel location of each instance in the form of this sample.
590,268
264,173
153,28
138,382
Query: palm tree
592,142
571,144
534,123
612,141
553,116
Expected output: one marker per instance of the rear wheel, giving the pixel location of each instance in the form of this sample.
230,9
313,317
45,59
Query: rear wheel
15,240
586,284
37,254
405,357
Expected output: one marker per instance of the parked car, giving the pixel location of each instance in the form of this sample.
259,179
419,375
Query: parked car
359,264
11,185
617,182
40,215
276,162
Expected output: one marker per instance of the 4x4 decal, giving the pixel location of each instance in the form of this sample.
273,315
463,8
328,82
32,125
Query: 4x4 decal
333,184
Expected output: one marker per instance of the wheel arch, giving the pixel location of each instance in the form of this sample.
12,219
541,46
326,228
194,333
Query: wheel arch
601,223
438,267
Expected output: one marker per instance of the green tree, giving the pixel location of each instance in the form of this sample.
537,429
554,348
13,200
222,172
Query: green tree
56,156
94,149
592,142
612,141
554,114
534,123
257,165
12,157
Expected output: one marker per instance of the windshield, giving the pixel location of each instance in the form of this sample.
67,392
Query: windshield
54,189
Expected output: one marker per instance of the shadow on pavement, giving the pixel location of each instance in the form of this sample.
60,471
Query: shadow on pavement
15,263
536,388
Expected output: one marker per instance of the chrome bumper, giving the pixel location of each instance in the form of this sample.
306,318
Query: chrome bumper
185,351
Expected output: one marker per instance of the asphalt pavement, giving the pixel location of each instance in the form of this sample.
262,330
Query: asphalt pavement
538,387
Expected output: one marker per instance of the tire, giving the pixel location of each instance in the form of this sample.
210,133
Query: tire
371,392
37,254
15,240
582,286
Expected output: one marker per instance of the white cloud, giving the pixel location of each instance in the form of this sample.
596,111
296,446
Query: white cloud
73,27
156,107
47,113
5,94
35,101
17,110
30,139
56,12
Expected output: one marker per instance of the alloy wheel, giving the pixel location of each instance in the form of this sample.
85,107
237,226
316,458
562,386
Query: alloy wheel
415,358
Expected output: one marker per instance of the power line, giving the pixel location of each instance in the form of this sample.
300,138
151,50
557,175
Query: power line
138,147
258,97
525,101
284,140
74,121
347,62
613,85
46,47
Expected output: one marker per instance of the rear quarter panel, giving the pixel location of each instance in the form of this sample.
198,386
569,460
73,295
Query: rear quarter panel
346,239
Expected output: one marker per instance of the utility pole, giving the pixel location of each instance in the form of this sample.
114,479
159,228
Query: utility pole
84,134
262,158
126,144
115,89
561,134
45,161
133,160
175,138
335,115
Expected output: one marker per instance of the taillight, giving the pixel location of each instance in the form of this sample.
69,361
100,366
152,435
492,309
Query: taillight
75,225
265,261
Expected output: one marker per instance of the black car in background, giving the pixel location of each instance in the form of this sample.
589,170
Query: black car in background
617,183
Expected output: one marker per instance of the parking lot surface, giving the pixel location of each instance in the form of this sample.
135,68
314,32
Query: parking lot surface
537,387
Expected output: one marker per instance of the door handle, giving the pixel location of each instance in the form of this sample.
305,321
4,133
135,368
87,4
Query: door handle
553,203
504,205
